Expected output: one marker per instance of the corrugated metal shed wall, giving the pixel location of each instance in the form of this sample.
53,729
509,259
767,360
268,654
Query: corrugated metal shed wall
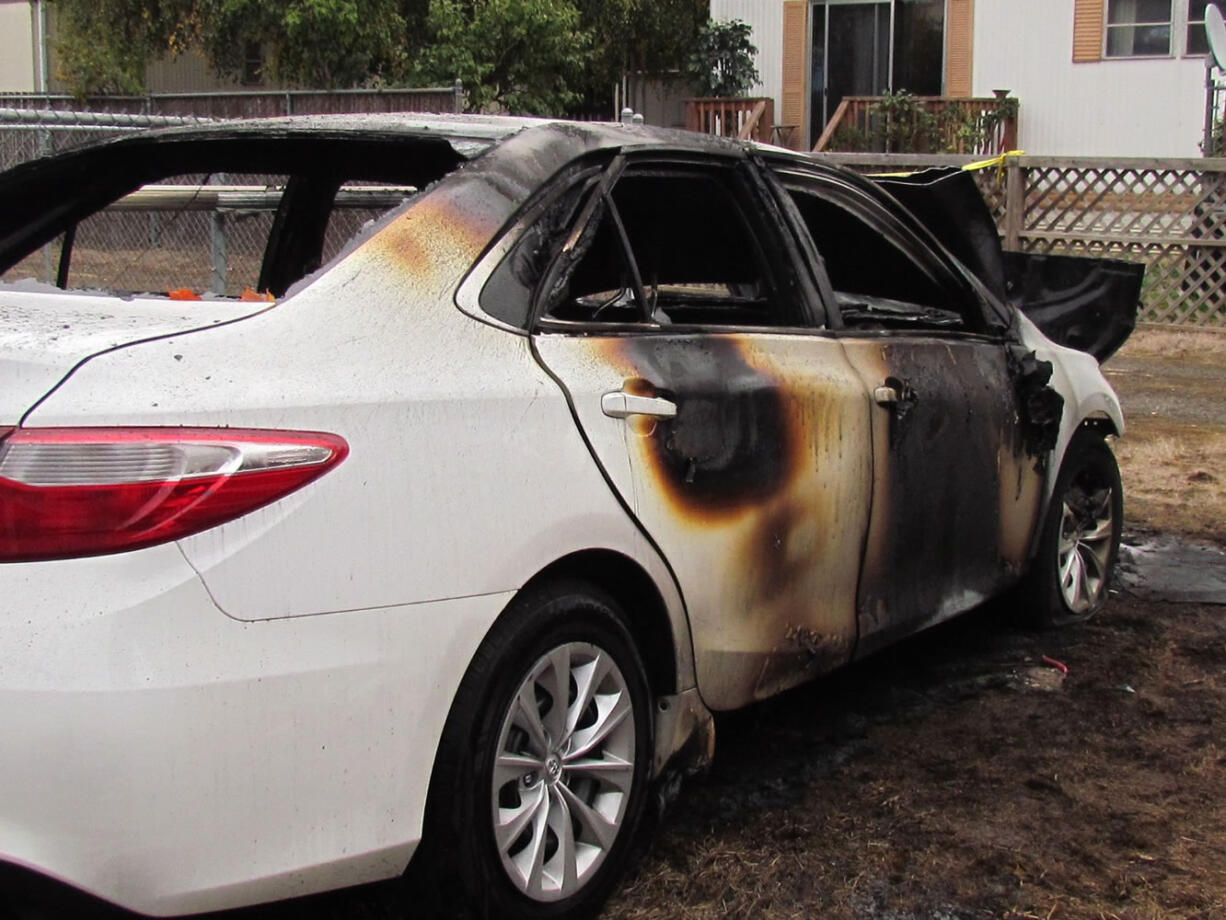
766,17
16,47
189,72
1115,108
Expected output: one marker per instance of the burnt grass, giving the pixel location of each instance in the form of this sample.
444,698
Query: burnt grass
958,775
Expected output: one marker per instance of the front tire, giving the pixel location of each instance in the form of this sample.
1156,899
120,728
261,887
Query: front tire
541,773
1069,576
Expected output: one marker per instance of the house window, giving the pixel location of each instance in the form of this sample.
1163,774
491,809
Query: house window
1138,28
253,64
1197,42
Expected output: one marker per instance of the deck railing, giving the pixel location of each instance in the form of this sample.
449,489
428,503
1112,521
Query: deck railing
747,118
921,124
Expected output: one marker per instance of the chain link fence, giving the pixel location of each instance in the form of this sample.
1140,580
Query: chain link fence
28,133
192,234
207,233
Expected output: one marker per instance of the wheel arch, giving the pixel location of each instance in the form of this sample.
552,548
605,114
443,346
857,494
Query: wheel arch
1100,421
641,600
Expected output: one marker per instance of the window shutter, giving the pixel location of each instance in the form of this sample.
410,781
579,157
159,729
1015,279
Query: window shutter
959,50
795,63
1087,30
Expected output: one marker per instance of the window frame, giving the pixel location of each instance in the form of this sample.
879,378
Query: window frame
1177,7
927,255
758,212
1189,22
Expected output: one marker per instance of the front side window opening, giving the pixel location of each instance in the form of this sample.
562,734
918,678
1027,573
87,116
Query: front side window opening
875,281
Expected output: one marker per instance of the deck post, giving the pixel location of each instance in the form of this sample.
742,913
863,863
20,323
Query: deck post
1015,203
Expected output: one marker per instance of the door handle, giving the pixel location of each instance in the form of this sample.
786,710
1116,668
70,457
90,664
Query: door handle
620,404
895,394
885,396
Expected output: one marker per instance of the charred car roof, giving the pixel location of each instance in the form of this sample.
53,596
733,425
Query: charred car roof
511,159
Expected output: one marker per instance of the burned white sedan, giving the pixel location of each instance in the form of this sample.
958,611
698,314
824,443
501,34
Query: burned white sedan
444,551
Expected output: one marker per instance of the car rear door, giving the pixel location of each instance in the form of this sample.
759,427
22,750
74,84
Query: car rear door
730,423
957,490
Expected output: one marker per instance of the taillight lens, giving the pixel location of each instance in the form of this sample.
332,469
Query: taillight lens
87,491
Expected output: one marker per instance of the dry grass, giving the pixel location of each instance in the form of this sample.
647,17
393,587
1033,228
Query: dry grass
1153,341
1172,382
1173,477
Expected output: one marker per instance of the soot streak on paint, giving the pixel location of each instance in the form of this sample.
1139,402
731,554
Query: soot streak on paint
731,446
1039,406
747,456
938,515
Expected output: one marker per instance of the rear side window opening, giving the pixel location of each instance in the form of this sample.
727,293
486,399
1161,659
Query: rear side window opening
668,245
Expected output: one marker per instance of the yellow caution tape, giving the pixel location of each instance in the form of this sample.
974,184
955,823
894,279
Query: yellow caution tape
999,162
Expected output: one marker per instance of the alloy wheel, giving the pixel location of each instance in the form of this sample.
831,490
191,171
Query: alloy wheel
563,771
1084,555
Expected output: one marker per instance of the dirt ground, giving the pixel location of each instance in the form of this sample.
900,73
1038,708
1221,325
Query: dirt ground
1173,388
963,774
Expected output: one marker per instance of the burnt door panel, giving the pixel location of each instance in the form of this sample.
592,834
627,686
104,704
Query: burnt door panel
737,435
955,495
756,490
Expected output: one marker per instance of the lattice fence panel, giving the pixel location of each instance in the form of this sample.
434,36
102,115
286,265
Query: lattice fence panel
1170,214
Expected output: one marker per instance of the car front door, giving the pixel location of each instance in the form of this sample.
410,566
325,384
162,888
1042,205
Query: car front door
732,426
956,490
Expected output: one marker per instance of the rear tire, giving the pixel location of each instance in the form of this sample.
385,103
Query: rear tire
533,804
1069,576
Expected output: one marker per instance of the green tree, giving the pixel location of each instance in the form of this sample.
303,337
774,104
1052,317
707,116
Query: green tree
315,43
637,36
526,57
104,45
723,61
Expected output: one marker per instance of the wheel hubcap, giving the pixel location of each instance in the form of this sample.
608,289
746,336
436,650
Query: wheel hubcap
564,770
1086,531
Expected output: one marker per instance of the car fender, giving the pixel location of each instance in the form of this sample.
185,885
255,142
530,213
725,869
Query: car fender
1088,398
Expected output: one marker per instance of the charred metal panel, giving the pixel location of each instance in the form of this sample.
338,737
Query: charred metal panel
1087,304
757,490
1040,407
956,492
948,204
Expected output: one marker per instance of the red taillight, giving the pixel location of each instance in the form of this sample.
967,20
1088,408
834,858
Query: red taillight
86,491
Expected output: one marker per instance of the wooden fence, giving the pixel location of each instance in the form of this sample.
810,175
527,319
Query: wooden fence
1169,214
253,104
922,124
751,118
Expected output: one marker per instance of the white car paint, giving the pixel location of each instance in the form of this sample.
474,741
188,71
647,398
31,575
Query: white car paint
252,712
1078,378
163,727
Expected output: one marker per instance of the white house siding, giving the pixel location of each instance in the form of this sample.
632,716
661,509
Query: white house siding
766,17
1152,107
16,47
